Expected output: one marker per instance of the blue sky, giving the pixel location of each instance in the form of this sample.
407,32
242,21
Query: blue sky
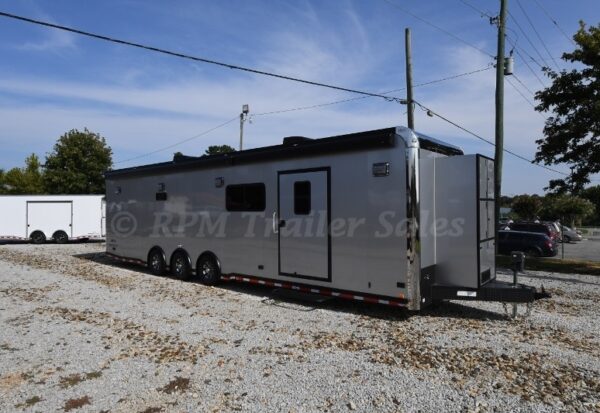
51,81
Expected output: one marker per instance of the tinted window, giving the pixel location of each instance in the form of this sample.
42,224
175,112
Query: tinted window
302,198
246,197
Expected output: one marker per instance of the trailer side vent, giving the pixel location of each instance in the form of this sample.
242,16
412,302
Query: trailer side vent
295,140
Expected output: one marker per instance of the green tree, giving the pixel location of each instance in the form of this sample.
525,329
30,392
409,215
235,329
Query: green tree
572,133
568,208
27,180
216,149
77,164
592,194
527,206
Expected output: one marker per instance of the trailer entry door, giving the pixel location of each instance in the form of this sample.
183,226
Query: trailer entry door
49,217
304,213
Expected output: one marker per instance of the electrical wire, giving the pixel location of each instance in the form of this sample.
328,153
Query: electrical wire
523,84
523,96
529,67
206,132
197,59
555,22
464,129
537,33
483,13
365,97
527,38
448,33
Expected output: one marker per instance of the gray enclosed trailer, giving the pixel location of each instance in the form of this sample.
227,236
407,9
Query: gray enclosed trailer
387,216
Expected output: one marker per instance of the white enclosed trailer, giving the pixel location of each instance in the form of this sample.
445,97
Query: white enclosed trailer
387,216
59,218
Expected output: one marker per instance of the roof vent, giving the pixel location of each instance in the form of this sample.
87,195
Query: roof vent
295,140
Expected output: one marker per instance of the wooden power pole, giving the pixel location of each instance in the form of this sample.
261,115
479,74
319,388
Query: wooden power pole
409,82
499,115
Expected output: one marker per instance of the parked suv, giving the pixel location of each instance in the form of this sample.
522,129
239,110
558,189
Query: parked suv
533,244
540,227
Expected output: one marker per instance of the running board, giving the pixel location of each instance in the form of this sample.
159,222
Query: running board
492,291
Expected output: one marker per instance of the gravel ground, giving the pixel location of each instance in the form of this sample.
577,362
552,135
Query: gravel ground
80,333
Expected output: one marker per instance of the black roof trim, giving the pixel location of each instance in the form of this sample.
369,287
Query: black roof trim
380,138
434,145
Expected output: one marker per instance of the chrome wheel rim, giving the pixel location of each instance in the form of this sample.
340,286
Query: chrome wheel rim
155,262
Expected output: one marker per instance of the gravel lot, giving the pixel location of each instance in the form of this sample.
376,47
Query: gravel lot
79,333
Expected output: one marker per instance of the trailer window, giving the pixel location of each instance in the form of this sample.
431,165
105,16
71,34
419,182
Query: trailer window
302,197
245,197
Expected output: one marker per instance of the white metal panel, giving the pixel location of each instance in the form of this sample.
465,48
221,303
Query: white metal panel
457,211
49,217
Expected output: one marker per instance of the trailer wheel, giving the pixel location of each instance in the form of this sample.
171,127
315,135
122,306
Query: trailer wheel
60,237
180,265
156,262
208,270
38,237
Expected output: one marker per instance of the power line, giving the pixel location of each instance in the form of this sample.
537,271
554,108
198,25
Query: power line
448,33
365,97
555,22
537,33
523,84
483,13
528,39
431,112
206,132
296,109
197,59
529,67
522,95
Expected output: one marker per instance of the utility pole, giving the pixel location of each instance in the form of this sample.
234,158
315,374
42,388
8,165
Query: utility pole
499,114
243,117
409,83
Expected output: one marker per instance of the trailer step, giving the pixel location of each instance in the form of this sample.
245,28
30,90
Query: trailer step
492,291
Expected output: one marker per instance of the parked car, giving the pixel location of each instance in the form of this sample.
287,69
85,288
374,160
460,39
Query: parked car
570,234
540,227
533,244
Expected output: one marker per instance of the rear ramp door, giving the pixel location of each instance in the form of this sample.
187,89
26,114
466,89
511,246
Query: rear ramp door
49,217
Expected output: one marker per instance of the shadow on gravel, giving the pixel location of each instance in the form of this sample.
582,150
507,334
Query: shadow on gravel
271,297
562,279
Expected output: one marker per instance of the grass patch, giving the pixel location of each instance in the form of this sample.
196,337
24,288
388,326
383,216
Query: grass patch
29,402
72,404
554,265
93,375
177,385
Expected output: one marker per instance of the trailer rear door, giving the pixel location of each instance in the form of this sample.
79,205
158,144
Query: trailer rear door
49,217
304,213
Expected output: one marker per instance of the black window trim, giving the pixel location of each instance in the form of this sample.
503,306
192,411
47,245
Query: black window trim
261,207
302,202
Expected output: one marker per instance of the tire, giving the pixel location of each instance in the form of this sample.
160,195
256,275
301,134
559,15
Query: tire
567,239
207,270
60,237
533,253
38,237
180,266
156,262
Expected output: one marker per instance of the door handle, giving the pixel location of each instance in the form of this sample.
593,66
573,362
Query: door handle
275,227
